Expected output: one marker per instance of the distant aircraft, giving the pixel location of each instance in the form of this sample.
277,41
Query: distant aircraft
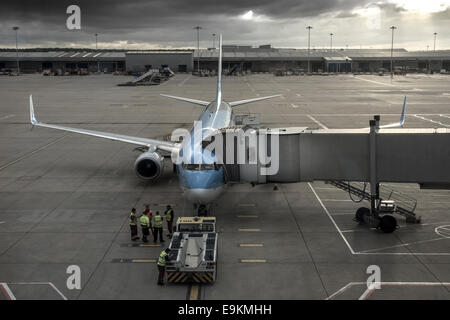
201,183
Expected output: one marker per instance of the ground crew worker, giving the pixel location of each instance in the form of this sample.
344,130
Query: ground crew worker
158,227
169,218
148,213
163,257
133,225
145,225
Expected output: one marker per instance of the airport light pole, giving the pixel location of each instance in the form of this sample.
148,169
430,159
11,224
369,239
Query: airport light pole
214,40
392,51
96,48
198,48
331,41
309,44
434,46
15,28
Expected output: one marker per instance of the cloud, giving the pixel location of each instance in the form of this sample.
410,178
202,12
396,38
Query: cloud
169,23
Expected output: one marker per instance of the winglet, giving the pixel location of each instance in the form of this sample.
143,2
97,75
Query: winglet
402,117
32,117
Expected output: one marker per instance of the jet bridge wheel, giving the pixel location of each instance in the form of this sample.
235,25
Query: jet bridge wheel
388,224
361,213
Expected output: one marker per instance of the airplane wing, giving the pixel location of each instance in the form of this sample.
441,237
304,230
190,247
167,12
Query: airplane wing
238,103
162,145
402,119
199,102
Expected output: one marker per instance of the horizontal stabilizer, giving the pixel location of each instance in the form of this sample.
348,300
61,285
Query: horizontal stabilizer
194,101
238,103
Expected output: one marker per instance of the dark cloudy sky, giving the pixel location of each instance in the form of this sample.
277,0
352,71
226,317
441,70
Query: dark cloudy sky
141,24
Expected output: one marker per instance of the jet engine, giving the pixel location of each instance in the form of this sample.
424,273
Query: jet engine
149,165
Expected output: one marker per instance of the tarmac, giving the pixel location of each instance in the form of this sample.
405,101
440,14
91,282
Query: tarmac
65,198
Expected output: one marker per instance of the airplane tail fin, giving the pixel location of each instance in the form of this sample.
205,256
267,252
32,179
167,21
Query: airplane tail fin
219,72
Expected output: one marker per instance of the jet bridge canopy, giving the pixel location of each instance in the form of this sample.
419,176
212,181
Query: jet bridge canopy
396,155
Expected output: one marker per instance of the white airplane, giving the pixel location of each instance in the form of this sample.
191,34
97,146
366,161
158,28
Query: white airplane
202,182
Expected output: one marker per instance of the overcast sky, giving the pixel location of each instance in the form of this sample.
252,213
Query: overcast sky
145,24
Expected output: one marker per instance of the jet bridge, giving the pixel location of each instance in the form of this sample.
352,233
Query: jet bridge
369,155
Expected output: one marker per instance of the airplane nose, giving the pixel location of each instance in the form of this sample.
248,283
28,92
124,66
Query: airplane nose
202,196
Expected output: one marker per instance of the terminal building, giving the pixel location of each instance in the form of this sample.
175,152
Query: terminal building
241,58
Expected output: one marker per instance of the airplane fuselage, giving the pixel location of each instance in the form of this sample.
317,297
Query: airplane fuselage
201,181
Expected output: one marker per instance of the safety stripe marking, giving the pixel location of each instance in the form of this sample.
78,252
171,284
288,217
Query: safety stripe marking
253,260
249,230
251,245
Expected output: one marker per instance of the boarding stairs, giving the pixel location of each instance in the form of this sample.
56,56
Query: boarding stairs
404,204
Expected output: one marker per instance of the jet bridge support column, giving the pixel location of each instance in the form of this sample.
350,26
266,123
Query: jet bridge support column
373,165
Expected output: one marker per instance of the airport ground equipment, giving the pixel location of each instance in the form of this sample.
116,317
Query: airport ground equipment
373,155
151,77
193,255
387,202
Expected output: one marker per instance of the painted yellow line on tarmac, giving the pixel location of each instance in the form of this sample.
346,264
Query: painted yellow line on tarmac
193,295
249,230
143,261
251,245
253,260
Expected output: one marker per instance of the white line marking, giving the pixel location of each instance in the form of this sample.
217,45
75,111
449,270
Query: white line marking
341,233
384,84
56,289
370,289
405,244
43,283
430,120
184,81
7,117
331,218
294,105
8,291
32,152
1,222
316,121
351,284
298,94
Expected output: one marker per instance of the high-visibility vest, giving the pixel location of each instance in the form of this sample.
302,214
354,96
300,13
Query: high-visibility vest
169,215
144,221
132,219
162,259
158,221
